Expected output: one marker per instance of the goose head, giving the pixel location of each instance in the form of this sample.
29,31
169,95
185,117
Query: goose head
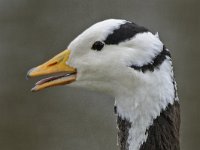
127,61
101,58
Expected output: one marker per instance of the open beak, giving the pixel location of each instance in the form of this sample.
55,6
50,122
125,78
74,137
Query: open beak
55,65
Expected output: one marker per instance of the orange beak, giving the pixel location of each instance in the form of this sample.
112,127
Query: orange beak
55,65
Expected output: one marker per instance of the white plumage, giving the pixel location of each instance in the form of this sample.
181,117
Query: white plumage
140,96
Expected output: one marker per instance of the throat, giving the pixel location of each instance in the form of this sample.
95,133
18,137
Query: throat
161,134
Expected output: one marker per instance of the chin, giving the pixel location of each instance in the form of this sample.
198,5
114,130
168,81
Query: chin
96,86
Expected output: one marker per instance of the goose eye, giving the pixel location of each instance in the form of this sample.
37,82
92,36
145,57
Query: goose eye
98,45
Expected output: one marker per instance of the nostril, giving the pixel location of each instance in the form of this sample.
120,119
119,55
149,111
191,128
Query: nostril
52,64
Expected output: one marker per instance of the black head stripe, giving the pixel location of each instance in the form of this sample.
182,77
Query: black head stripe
125,32
156,62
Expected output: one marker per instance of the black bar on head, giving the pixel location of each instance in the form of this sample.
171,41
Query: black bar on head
125,32
156,62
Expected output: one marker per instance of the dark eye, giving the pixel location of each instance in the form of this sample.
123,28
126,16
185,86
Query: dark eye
98,45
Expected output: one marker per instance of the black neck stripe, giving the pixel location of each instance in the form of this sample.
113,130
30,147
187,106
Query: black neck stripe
156,62
163,134
125,32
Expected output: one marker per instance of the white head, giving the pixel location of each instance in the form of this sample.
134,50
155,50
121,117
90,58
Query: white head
124,60
113,56
108,69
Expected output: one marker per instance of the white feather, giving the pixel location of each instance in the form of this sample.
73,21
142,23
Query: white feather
140,97
157,35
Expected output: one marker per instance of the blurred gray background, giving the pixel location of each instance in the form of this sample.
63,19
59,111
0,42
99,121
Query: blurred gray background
62,118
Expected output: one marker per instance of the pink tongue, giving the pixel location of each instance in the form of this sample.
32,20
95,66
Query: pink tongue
49,79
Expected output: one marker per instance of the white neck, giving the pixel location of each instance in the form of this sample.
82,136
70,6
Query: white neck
144,102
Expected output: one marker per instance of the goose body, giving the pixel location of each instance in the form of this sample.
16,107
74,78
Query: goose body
130,63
